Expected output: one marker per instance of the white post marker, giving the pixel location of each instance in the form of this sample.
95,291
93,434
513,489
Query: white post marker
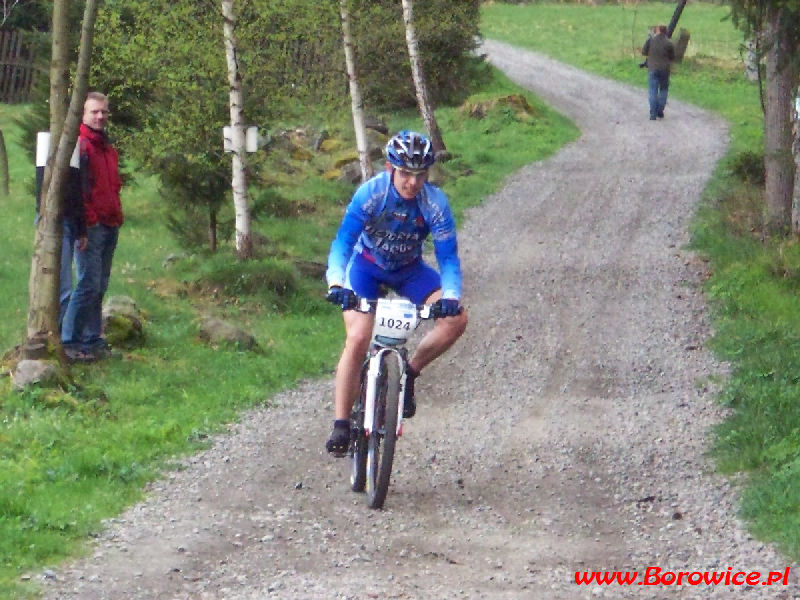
250,140
42,148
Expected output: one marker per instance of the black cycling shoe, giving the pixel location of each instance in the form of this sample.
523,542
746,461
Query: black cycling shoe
339,441
409,402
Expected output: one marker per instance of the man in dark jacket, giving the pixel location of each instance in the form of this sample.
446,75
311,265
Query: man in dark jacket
660,53
81,331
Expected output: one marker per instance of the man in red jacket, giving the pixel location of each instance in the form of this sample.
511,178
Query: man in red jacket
81,331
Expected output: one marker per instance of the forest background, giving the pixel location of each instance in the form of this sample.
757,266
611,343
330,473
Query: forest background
73,456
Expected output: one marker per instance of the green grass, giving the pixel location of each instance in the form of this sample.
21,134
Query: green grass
16,231
754,287
70,458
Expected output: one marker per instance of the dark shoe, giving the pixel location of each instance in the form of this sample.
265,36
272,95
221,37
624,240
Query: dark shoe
652,118
339,441
79,356
409,402
104,352
661,115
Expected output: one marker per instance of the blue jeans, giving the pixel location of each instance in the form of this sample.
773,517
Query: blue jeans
657,88
83,327
68,240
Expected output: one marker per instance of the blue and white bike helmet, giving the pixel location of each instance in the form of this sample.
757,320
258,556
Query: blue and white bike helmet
410,150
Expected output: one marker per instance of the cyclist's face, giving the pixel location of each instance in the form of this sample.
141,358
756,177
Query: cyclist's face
409,183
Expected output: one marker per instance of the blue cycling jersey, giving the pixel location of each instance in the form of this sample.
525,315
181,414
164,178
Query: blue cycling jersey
389,230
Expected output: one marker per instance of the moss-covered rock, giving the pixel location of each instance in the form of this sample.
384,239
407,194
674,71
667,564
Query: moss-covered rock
123,322
217,332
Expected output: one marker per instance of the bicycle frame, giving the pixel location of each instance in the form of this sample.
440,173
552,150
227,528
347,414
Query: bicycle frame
377,416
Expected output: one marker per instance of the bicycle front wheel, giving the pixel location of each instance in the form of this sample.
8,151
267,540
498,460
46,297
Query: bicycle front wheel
358,443
382,438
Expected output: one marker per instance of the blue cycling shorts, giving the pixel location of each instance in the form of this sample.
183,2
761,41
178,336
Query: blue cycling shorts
416,281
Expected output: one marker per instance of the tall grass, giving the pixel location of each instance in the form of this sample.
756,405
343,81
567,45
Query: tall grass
70,458
754,286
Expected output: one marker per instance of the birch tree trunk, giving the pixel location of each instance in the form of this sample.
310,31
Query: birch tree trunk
780,87
244,241
420,84
356,101
45,265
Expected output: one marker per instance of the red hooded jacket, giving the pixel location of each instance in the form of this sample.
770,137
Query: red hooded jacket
101,182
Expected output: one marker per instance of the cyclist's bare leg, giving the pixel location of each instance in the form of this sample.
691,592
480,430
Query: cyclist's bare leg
445,332
358,329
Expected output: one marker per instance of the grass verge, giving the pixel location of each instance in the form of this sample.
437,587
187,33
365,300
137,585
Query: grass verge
755,279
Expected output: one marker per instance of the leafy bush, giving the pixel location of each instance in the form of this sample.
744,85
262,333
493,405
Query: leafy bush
748,166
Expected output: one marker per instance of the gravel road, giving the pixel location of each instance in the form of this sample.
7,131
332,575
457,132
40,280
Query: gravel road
567,431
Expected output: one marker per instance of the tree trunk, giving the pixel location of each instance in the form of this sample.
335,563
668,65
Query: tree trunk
796,156
675,16
59,84
796,195
425,106
751,60
356,101
781,83
681,44
212,230
45,265
244,241
4,180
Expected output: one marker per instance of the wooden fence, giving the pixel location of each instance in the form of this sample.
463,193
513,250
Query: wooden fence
16,67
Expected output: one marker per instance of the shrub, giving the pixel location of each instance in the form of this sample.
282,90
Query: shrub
748,166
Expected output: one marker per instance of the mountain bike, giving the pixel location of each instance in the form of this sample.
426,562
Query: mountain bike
377,417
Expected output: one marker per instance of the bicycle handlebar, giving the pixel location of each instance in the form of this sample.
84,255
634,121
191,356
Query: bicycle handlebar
350,301
424,311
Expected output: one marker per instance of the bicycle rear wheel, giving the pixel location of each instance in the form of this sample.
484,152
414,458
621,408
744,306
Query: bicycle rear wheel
358,442
382,438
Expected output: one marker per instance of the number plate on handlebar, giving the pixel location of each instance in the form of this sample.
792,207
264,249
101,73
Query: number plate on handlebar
395,320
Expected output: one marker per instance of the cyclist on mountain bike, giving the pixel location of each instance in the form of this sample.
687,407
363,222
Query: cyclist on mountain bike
379,242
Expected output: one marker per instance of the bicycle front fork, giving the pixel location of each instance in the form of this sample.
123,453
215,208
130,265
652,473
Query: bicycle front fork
373,375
